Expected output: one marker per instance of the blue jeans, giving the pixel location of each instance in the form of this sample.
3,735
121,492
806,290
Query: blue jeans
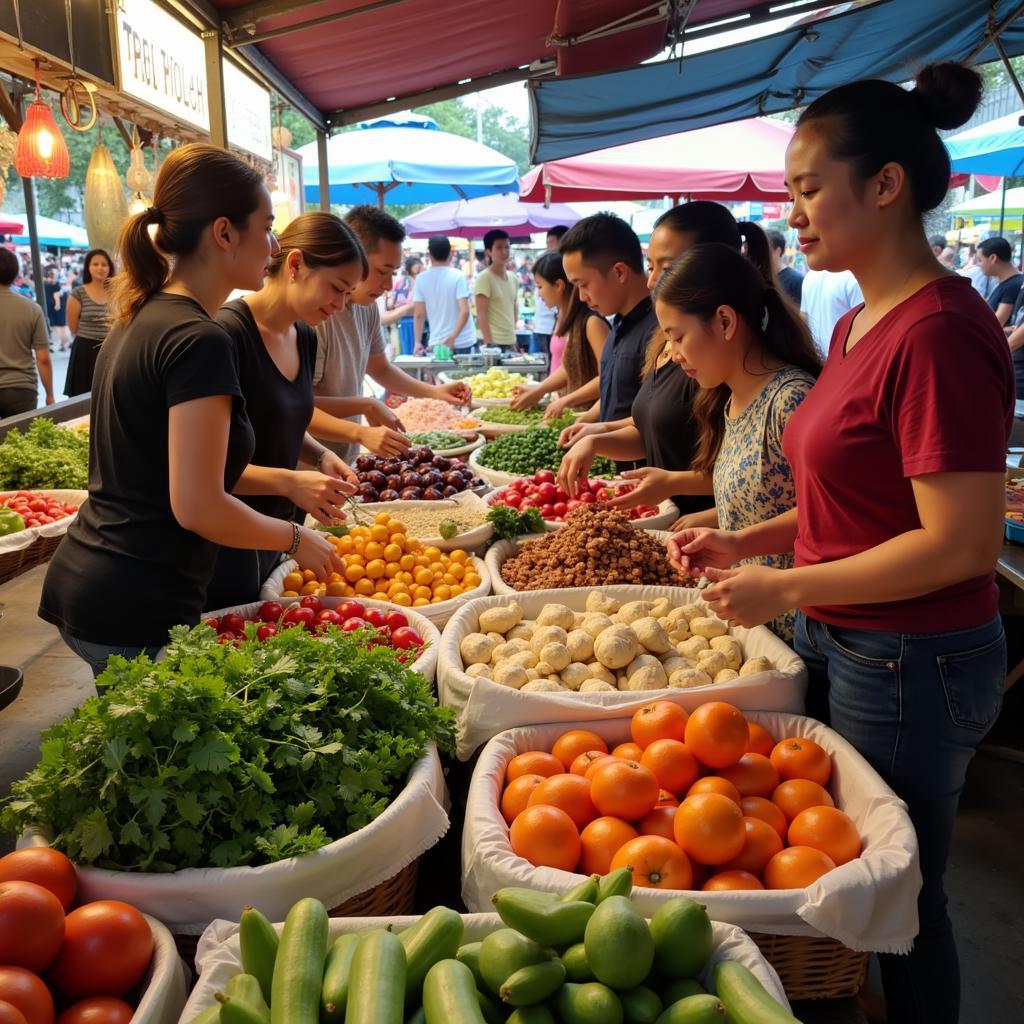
915,706
96,655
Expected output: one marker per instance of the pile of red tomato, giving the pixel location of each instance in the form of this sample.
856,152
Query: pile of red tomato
542,492
388,628
37,509
87,962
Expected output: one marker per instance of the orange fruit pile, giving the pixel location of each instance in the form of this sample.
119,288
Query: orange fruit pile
701,801
382,562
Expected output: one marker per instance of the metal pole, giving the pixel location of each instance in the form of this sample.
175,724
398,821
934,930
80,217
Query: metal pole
324,171
1002,207
215,83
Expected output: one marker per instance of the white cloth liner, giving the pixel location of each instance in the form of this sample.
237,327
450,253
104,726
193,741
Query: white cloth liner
26,538
868,904
218,958
166,982
438,613
425,664
187,901
486,708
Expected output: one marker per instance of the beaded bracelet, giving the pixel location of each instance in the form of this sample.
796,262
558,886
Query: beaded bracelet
296,540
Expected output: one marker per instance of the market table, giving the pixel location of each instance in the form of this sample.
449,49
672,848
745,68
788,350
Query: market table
416,366
1011,568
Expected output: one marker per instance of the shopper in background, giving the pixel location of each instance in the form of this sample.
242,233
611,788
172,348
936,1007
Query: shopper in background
790,281
441,296
825,298
496,294
23,346
899,456
56,307
399,304
938,243
544,316
995,257
170,437
983,284
89,320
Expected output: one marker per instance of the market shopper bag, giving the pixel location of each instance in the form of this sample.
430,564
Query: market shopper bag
438,613
26,549
486,708
187,901
218,958
166,983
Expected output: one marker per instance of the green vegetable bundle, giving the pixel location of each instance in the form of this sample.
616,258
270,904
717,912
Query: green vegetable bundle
527,417
220,756
531,450
439,440
45,456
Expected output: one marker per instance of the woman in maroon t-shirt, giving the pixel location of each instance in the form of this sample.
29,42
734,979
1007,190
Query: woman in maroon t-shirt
898,455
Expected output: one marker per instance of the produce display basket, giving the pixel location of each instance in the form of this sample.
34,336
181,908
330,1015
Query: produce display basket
425,664
166,983
438,613
218,958
486,708
375,864
668,513
22,551
868,904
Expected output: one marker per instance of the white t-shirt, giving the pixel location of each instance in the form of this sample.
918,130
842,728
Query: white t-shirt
440,288
544,317
824,300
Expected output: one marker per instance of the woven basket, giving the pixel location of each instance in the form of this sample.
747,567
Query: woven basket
14,563
812,967
391,898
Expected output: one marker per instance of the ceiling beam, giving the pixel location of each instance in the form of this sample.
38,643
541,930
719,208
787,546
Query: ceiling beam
249,14
241,38
9,109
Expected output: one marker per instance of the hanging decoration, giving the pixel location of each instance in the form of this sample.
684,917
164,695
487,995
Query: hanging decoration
8,147
280,139
80,114
105,205
140,181
42,151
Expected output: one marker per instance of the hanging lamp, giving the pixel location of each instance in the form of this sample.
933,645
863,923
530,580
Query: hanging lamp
105,204
138,178
42,151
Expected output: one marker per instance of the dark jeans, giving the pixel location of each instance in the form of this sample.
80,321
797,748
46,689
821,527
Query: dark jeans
17,400
541,343
916,706
96,655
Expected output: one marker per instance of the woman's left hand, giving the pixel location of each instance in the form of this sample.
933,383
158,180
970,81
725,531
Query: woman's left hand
750,595
332,464
454,393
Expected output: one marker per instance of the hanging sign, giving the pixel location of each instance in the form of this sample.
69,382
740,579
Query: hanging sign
162,62
247,108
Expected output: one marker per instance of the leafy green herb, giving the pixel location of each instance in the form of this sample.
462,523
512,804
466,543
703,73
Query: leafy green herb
219,756
510,523
527,417
525,453
45,456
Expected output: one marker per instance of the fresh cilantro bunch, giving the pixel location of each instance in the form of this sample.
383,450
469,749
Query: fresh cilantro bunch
45,456
220,756
510,522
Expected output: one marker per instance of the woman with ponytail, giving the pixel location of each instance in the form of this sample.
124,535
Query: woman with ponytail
170,437
662,431
899,459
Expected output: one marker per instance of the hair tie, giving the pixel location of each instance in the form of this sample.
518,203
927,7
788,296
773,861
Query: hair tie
154,215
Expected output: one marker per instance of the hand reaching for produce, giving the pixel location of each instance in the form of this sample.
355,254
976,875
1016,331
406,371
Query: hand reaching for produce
555,408
749,595
321,495
379,415
696,552
455,393
575,467
693,521
334,465
316,552
384,441
653,487
524,398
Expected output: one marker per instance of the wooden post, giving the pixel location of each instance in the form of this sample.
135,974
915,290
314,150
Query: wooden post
324,169
215,85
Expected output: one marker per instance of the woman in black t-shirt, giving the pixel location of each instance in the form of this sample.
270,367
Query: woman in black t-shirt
318,264
170,437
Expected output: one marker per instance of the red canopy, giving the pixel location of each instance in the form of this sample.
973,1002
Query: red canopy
744,160
10,227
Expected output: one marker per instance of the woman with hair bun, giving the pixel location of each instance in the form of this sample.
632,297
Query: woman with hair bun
898,454
170,437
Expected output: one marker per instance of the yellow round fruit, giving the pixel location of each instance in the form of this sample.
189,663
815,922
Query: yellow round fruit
309,588
402,599
345,545
423,577
442,593
289,593
308,574
455,590
392,552
396,527
407,562
391,570
354,572
375,569
458,555
335,589
432,553
364,587
471,581
420,602
374,549
422,593
293,581
380,533
382,518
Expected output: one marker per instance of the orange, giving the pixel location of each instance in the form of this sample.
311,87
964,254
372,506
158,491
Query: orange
600,841
796,868
761,740
752,775
373,551
758,807
571,744
375,568
700,874
709,827
659,720
730,881
657,863
715,784
658,822
717,734
762,843
594,765
827,829
628,751
379,532
570,793
674,767
797,758
625,789
533,762
364,587
796,795
667,799
392,552
293,581
517,794
354,573
546,837
584,761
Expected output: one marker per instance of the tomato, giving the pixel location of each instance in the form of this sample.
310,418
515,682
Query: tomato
46,867
547,512
107,948
299,616
270,611
232,623
351,610
266,631
547,492
226,638
560,508
572,504
587,497
543,476
395,620
513,500
352,624
329,617
309,601
26,991
98,1010
406,637
530,501
213,622
10,1014
381,637
38,505
375,617
31,925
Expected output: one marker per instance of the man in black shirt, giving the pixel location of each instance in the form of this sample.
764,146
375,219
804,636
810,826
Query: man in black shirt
790,281
996,260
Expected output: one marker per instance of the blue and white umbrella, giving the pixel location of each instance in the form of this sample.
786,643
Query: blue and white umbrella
995,148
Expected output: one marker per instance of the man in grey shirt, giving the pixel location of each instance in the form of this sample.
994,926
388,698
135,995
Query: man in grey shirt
22,334
351,344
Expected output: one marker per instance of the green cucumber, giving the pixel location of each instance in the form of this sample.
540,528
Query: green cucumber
532,1015
695,1010
376,988
640,1005
541,918
246,989
618,883
337,971
234,1011
258,941
493,1012
299,966
503,952
450,996
586,891
469,954
745,998
577,967
533,984
682,938
436,936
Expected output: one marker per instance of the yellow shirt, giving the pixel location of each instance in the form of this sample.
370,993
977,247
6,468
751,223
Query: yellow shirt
501,308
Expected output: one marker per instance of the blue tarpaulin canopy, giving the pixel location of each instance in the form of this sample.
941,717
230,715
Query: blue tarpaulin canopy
888,39
996,147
